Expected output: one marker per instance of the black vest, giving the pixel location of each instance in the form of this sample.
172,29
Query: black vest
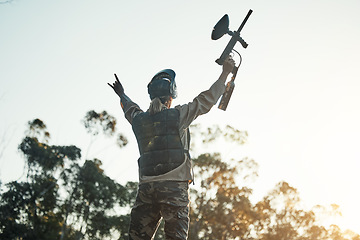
159,142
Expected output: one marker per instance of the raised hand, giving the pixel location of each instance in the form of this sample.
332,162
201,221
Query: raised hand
228,65
117,86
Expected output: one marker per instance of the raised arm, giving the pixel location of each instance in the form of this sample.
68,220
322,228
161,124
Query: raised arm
206,99
130,108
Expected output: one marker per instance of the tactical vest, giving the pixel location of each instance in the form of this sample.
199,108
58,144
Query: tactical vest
159,142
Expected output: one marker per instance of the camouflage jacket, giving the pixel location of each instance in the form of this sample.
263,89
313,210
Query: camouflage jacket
188,113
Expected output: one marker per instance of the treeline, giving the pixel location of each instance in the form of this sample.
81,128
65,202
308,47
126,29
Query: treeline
65,197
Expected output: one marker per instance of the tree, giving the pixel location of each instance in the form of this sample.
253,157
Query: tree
221,206
63,197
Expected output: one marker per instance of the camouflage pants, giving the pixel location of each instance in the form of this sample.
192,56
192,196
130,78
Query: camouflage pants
156,200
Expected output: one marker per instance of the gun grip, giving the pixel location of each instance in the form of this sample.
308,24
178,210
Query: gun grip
221,62
243,43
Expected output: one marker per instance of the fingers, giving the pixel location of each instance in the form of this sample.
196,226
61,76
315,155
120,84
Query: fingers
230,60
116,77
115,83
117,86
111,86
228,65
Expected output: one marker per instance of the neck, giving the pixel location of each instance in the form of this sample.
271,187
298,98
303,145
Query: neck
168,103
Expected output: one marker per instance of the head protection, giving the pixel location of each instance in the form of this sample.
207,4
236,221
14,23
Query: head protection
163,84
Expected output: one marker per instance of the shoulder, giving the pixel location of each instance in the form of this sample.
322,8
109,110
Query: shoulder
180,108
171,112
139,117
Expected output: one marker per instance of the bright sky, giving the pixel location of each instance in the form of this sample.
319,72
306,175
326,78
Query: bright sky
297,90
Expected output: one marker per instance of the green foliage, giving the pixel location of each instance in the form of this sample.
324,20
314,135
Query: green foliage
66,198
221,209
37,128
47,157
95,122
216,134
221,206
62,196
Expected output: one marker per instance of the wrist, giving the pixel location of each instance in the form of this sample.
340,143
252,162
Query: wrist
224,75
120,94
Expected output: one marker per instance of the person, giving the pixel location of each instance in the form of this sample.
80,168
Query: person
165,168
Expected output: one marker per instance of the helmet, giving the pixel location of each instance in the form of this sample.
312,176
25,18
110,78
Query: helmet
163,84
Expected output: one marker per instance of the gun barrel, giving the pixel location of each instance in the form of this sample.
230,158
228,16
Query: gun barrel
245,20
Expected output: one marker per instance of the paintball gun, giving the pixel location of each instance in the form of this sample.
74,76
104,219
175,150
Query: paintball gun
222,27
